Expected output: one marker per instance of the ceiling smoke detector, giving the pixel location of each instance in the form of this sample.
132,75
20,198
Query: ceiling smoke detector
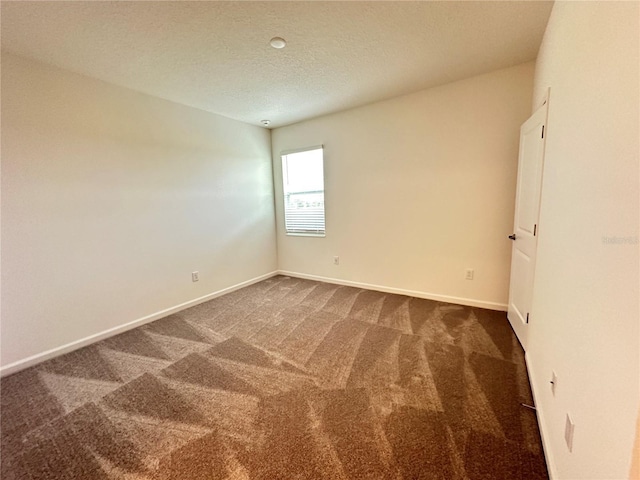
265,122
277,42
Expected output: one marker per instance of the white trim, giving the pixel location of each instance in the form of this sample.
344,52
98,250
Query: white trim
294,234
411,293
83,342
542,425
300,150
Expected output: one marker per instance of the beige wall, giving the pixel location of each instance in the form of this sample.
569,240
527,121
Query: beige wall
585,316
111,198
418,188
635,461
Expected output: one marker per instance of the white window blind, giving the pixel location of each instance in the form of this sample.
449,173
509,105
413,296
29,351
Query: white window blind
303,187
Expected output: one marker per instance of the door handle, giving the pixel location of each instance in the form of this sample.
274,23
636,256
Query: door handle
512,237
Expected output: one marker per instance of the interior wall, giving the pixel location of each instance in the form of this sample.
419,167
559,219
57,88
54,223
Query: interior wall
585,312
111,198
417,189
634,474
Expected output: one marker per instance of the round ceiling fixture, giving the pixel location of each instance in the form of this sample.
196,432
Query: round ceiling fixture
277,42
265,122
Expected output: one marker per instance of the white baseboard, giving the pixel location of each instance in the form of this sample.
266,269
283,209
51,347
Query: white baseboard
83,342
411,293
544,434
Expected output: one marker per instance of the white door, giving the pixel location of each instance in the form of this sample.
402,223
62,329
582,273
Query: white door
525,230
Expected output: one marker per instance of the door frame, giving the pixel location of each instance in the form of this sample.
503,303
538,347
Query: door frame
523,338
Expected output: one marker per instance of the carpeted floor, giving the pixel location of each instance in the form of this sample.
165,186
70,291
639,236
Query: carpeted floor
286,379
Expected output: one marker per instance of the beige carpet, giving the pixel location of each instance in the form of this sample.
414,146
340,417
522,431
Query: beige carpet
285,379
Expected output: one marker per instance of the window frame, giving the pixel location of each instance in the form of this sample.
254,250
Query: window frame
283,154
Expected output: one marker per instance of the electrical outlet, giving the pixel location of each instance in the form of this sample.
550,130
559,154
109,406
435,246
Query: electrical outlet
195,276
569,427
336,260
468,275
554,383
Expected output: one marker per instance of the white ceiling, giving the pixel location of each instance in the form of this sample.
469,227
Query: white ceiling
216,55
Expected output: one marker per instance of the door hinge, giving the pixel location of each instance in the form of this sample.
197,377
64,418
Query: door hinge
535,229
542,131
527,318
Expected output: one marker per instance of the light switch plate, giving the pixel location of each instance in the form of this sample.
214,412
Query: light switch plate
568,432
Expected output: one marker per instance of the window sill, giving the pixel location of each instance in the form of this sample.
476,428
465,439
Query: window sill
306,234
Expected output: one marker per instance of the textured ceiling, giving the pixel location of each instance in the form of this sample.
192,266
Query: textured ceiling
216,55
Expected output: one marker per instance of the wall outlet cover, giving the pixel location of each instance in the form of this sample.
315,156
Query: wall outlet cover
569,427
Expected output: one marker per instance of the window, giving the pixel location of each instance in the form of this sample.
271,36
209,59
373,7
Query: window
303,188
